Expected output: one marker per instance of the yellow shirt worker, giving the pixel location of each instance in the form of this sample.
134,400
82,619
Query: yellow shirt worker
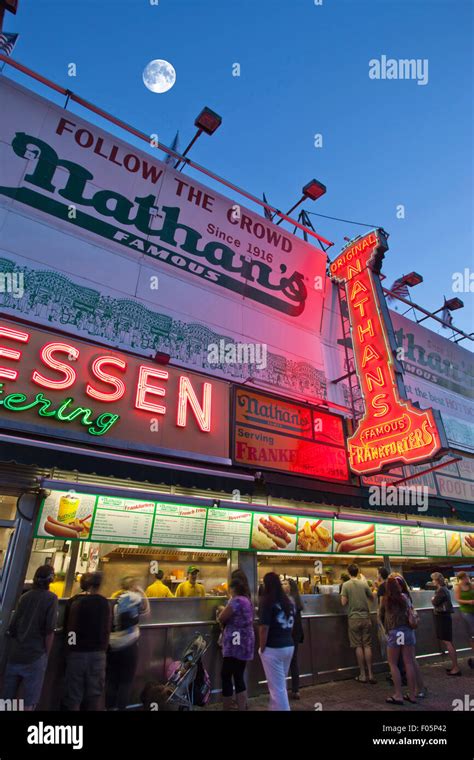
158,588
191,587
57,587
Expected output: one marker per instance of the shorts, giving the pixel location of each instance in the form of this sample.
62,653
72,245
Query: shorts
444,627
403,636
468,618
84,679
30,674
360,632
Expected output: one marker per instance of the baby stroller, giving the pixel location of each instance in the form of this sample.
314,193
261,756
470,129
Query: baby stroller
188,683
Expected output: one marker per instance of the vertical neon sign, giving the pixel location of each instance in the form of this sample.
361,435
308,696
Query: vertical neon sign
392,430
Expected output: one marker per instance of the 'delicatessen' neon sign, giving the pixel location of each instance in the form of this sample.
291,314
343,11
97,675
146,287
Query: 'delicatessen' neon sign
67,387
392,430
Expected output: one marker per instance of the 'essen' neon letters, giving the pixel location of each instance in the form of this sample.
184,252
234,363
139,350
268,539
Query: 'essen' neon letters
392,430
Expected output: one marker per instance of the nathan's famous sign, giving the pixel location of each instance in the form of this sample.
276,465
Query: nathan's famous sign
62,387
275,434
84,178
393,430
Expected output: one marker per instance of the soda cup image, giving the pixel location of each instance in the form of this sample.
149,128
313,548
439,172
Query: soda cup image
67,510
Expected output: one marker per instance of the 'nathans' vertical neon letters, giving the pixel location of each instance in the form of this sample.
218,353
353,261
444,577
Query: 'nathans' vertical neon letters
392,430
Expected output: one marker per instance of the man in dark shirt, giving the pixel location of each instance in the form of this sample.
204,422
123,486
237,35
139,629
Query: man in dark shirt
31,635
87,623
383,575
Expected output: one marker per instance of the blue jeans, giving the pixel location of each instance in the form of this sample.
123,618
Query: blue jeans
31,674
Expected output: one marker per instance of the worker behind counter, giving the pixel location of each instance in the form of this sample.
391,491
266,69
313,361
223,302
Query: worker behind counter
58,585
158,588
191,587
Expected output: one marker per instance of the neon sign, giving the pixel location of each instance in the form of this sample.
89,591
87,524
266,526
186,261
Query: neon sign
127,401
392,430
18,402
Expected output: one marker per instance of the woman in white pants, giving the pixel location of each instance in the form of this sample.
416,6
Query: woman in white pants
276,619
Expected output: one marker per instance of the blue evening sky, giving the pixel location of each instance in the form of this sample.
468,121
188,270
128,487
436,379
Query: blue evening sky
304,70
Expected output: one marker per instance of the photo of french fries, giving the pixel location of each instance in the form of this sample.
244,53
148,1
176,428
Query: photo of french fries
314,535
354,538
467,544
453,541
274,533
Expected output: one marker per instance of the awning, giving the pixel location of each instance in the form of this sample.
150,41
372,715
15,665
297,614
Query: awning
50,455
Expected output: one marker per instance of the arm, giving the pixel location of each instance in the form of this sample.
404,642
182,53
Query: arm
179,590
368,592
439,598
145,606
344,600
226,614
457,593
263,636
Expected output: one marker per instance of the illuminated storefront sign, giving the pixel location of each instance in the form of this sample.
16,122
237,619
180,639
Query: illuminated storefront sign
392,430
271,433
64,387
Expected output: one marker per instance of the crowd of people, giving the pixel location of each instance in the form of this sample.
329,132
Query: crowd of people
102,639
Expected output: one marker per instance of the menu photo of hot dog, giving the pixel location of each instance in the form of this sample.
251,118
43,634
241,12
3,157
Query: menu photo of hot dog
314,535
274,533
353,538
66,515
467,544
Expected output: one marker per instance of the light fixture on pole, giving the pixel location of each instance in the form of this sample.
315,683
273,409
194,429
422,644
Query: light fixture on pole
452,304
311,191
207,121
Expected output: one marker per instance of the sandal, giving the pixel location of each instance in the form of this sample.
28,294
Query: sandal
372,680
393,701
360,680
454,674
407,698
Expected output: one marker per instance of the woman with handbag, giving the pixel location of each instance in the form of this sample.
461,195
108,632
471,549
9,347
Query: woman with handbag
443,609
399,620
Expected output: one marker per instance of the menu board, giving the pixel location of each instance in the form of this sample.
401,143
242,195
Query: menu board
122,520
228,527
179,525
413,541
388,539
69,516
435,541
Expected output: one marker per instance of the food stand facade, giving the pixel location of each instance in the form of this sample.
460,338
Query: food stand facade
125,442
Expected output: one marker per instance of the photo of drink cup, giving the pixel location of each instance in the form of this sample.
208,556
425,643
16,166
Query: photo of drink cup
68,506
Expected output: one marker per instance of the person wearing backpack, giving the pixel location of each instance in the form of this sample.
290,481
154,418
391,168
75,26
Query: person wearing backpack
399,620
122,655
443,609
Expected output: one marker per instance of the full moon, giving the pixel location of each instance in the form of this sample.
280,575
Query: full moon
159,76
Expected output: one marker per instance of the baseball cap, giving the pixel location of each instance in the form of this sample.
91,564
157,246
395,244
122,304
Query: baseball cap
193,569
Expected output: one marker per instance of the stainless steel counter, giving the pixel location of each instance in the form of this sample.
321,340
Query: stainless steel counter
325,654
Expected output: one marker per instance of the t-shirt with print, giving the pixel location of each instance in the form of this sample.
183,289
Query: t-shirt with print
280,625
238,639
358,594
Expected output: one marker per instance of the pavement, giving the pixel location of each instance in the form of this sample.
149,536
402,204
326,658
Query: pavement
442,691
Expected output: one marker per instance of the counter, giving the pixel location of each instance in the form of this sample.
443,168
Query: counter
325,654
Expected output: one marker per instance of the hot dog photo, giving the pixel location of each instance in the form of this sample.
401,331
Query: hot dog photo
467,544
66,515
353,538
274,533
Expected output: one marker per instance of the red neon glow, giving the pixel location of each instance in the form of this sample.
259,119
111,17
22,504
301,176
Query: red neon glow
392,430
47,356
11,353
143,388
117,383
201,413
